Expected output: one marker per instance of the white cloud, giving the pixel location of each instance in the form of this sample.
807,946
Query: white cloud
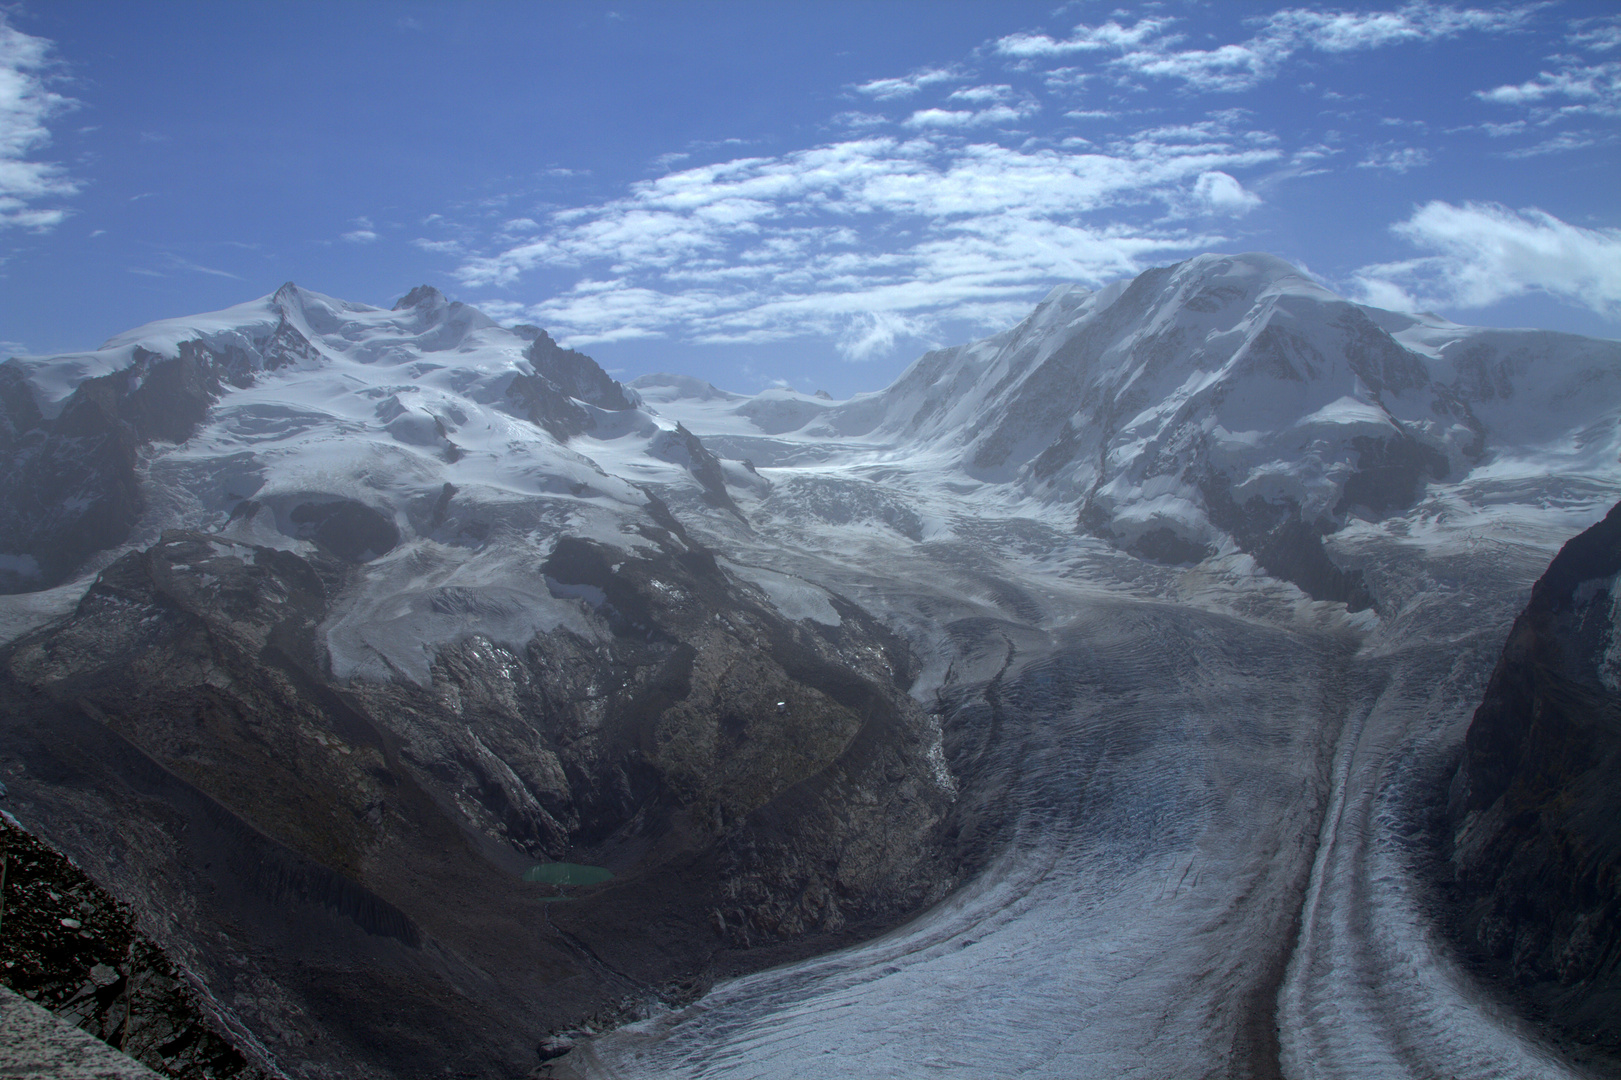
874,334
1564,142
907,85
1600,36
871,240
1111,35
364,231
964,118
1486,253
979,95
1219,193
1146,49
1346,31
26,105
1589,89
503,311
855,118
1400,160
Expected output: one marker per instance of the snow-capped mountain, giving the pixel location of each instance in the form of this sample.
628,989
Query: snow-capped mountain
1225,399
1139,631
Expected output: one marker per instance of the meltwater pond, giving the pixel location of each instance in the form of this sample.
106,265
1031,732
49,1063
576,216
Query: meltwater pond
567,873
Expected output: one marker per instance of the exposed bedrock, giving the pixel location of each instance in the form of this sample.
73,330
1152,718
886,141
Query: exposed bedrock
340,865
1536,803
70,488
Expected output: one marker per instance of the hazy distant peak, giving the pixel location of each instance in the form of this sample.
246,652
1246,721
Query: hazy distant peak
664,386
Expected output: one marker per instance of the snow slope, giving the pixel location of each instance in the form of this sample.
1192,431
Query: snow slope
1153,404
419,413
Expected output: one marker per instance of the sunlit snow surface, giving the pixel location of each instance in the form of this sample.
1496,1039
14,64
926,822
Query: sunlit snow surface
1202,789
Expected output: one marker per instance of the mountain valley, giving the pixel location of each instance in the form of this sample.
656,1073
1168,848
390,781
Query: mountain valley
1095,699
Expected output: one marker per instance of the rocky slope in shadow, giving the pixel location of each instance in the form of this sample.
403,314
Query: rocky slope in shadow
1536,804
339,866
72,948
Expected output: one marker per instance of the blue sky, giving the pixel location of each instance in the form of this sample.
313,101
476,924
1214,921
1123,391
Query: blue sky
808,194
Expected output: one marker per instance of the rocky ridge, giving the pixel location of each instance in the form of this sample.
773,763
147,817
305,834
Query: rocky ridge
1536,802
74,949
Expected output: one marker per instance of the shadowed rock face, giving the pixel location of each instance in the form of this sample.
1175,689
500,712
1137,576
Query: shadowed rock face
576,374
73,949
1536,804
359,848
561,379
70,487
350,530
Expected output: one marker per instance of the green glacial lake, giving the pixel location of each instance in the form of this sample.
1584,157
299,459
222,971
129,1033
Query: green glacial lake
567,873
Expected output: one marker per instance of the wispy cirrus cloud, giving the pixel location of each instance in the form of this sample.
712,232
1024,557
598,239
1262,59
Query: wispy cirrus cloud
364,232
906,85
170,264
1148,48
1571,89
1396,159
27,104
1486,253
1600,35
870,239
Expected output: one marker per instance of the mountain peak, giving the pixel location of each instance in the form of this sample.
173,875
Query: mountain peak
423,296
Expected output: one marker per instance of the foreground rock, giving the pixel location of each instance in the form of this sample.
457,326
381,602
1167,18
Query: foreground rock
1536,804
74,950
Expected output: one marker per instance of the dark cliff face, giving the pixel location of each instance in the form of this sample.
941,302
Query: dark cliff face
561,379
70,487
1536,804
341,864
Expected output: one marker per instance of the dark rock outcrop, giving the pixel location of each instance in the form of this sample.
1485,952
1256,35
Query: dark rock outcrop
687,448
348,529
341,865
74,949
70,487
561,379
576,374
1536,804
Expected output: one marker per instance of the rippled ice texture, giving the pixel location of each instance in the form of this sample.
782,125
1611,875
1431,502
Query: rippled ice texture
1209,858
